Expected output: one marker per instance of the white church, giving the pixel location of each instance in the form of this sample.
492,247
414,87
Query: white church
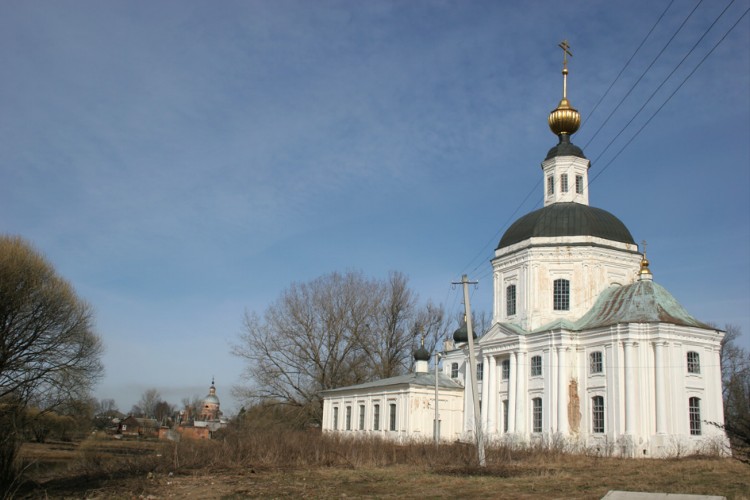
585,348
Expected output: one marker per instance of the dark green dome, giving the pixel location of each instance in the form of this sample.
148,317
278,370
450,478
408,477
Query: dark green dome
566,219
565,148
421,354
462,333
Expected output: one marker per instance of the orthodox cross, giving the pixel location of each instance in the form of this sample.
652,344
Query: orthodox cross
566,52
644,246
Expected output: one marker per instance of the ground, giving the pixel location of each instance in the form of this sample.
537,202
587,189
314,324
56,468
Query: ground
560,476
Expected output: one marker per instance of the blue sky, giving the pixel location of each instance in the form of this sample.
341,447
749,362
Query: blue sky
181,162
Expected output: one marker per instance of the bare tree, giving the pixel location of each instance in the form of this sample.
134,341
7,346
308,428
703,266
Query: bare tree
735,372
337,330
146,406
48,350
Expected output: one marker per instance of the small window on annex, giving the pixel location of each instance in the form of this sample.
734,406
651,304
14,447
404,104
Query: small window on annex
597,414
536,366
695,416
376,417
564,183
579,184
393,416
693,362
536,415
348,418
595,362
510,300
335,418
361,417
480,371
550,185
561,295
505,369
454,370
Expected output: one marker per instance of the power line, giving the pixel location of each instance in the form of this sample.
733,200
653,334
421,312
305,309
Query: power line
665,80
626,64
643,74
671,95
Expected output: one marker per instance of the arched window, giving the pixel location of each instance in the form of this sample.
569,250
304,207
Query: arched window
693,362
579,184
536,415
595,362
561,295
694,409
597,414
510,300
536,366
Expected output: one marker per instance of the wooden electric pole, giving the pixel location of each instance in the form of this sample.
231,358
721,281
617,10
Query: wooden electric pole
478,431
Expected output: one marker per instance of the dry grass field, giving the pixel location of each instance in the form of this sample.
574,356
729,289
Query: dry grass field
308,465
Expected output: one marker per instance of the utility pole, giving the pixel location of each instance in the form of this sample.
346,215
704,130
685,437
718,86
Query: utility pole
437,403
478,431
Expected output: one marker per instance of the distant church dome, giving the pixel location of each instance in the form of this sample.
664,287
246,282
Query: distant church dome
462,334
421,354
567,219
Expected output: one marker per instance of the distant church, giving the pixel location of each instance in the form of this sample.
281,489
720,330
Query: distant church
584,345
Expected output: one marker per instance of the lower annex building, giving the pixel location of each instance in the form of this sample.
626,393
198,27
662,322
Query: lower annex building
584,347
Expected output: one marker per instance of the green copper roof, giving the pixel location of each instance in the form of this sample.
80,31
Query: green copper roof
567,219
640,302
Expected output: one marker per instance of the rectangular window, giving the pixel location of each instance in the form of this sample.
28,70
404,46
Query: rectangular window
693,362
561,295
564,183
348,418
361,417
550,185
595,362
579,184
506,369
536,415
335,418
480,371
695,416
393,416
505,415
536,366
376,417
454,370
597,414
510,300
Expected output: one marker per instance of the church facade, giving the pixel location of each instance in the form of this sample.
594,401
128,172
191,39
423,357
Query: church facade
585,348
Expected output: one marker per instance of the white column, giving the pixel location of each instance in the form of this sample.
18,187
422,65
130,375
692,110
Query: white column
629,389
562,391
522,372
512,392
659,394
491,381
485,394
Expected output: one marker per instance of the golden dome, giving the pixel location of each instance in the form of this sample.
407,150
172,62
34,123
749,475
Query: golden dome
565,119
